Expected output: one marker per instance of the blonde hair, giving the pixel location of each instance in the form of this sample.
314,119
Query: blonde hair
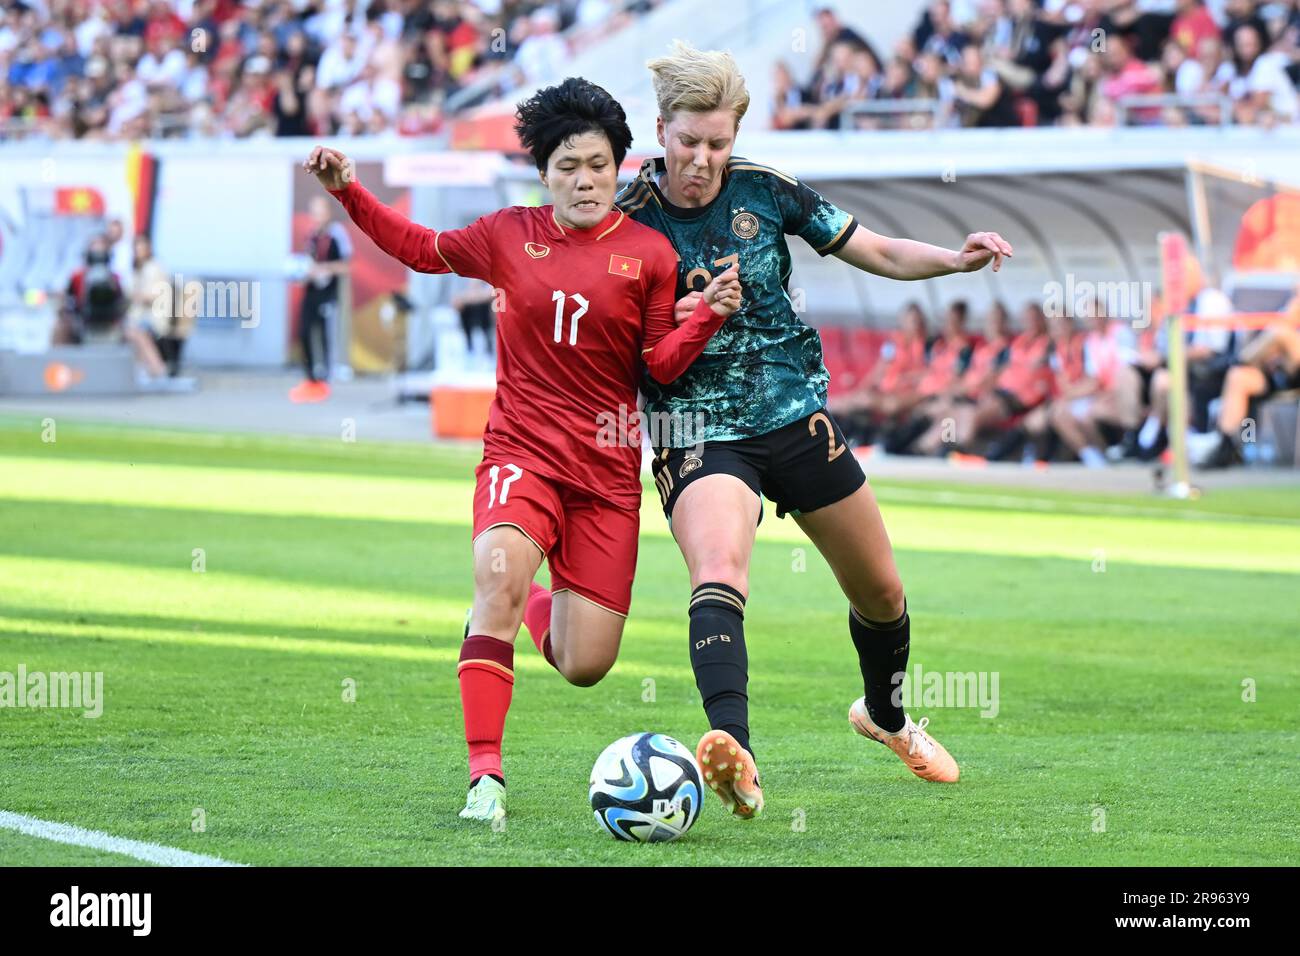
698,81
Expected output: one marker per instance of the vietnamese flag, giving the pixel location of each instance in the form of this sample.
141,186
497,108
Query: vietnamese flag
624,266
78,201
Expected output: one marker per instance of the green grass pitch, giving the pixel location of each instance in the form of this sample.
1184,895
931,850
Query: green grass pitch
1125,634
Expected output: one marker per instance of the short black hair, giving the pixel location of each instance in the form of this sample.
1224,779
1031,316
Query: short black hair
556,114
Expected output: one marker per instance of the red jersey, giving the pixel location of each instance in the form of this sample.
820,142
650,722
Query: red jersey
906,358
983,362
1027,374
1067,362
578,311
948,361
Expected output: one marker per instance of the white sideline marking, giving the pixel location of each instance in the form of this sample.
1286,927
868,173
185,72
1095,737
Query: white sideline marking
1067,507
95,840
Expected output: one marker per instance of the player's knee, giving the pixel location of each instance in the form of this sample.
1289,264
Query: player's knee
500,601
586,675
580,671
880,600
722,567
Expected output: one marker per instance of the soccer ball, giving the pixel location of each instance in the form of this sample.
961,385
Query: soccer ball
645,788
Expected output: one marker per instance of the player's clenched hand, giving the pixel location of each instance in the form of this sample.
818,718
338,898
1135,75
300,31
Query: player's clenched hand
982,248
685,306
723,293
332,168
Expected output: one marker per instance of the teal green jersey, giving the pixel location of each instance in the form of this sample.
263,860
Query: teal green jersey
763,369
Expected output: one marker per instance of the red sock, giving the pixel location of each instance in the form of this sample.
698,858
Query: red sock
487,676
537,618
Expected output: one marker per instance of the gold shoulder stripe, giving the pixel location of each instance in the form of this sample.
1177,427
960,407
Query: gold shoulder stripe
644,199
766,169
848,222
632,194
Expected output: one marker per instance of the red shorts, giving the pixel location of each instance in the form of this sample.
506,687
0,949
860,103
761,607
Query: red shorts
589,544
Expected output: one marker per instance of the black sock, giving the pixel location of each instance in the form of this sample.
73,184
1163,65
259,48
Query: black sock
882,655
719,660
500,780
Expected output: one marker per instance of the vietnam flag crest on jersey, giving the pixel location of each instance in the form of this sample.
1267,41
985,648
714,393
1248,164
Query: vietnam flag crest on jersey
624,266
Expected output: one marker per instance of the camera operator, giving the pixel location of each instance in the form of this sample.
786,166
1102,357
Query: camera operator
94,308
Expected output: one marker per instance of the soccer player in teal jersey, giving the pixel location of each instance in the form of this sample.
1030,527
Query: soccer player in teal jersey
748,418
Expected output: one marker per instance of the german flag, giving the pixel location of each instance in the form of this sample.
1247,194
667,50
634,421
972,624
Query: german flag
142,179
624,266
78,201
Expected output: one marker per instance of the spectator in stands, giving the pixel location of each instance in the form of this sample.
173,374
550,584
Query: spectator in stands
1270,363
890,388
790,108
899,81
979,96
932,80
341,63
834,32
937,33
849,74
1257,80
1125,75
1071,63
1199,75
543,54
1193,24
1027,51
1239,13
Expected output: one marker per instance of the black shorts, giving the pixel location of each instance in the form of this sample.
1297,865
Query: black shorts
801,467
1013,405
1280,380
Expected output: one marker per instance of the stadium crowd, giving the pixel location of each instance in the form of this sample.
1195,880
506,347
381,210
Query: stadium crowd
1076,385
992,63
120,69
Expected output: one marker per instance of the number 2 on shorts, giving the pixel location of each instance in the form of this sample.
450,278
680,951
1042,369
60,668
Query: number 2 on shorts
832,452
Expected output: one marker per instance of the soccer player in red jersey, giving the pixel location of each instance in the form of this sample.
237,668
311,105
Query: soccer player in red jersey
586,298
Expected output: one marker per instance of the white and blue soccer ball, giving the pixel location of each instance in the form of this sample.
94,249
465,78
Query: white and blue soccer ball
646,788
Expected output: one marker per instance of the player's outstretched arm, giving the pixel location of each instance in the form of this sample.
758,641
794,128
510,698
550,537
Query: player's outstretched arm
908,259
670,348
411,244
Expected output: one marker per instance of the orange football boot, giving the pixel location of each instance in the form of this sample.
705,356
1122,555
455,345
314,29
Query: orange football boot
923,755
729,772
